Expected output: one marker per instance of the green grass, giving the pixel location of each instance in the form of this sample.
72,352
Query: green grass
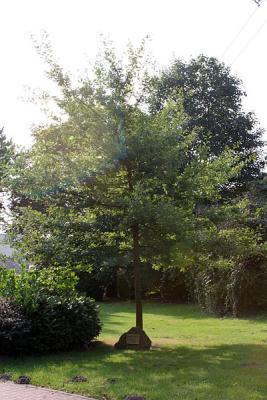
194,357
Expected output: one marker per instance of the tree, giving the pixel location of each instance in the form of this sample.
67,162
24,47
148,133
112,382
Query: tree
7,154
231,274
257,195
124,174
212,98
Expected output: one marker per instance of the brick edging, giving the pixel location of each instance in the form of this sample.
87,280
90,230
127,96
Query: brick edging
24,388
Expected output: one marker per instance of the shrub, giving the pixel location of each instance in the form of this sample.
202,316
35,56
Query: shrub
91,285
150,282
60,323
210,290
117,282
173,285
14,327
26,288
44,312
235,291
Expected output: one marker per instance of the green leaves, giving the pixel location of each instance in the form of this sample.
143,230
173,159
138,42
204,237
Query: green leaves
26,288
116,162
212,99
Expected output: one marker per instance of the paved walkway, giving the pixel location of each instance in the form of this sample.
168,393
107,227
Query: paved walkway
12,391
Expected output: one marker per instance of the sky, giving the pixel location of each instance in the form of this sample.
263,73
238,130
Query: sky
177,28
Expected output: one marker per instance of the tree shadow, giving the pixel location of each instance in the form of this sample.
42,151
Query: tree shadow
215,372
175,310
180,311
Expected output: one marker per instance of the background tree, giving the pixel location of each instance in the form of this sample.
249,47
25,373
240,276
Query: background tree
231,273
7,155
6,152
212,98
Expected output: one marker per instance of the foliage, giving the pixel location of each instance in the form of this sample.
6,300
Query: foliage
236,291
257,195
118,185
212,99
7,153
14,326
41,312
118,282
90,285
134,171
60,324
124,284
28,287
7,157
173,285
230,273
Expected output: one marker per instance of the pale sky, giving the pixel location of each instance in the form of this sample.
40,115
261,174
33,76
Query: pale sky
178,28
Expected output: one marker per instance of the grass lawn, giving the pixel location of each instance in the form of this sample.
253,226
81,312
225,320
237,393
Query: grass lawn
194,357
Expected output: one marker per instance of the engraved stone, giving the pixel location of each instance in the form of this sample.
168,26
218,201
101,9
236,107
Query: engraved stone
135,339
132,338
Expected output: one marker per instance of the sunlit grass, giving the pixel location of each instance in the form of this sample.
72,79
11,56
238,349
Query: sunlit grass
194,357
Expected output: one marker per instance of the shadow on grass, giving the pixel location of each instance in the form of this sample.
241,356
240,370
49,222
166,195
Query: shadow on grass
190,373
115,311
155,308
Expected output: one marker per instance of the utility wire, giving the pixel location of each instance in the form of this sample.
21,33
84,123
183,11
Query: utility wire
241,30
249,42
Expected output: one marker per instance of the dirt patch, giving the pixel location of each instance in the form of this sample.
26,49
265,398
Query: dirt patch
252,365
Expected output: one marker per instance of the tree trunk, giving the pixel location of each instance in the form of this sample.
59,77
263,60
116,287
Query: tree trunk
136,261
137,276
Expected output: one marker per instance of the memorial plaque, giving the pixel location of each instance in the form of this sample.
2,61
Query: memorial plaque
132,338
135,338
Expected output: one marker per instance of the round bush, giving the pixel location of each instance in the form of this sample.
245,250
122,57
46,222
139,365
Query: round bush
56,324
60,323
45,313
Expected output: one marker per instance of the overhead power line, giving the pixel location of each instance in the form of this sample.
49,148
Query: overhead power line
243,27
244,48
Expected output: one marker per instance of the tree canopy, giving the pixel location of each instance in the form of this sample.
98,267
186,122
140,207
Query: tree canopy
212,98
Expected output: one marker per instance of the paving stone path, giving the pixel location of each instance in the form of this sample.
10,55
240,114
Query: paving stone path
12,391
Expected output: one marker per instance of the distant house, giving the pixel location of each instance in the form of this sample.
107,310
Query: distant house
7,251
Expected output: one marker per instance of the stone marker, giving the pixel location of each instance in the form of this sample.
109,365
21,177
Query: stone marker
135,339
